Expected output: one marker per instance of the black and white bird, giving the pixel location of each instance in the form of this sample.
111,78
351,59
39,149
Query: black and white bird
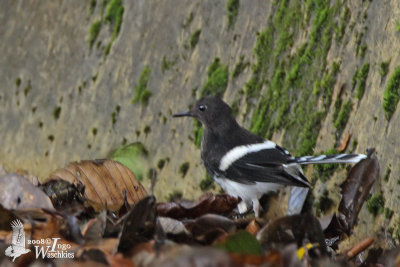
244,164
17,247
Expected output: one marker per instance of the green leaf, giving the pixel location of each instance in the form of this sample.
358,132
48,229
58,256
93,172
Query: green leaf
132,156
242,242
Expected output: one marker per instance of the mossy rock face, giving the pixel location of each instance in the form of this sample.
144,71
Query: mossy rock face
301,58
392,93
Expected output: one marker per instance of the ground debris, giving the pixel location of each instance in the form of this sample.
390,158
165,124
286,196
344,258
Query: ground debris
184,233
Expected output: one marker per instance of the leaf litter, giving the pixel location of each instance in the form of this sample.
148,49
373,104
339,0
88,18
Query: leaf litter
127,227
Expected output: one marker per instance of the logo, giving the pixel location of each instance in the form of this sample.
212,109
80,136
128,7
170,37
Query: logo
17,247
44,248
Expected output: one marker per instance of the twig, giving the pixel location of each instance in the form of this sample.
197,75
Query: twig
361,246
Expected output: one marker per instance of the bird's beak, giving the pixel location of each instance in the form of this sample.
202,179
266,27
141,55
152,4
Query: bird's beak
183,114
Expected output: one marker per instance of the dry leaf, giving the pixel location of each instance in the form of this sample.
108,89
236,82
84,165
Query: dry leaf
355,189
139,225
253,227
16,192
344,142
208,203
106,182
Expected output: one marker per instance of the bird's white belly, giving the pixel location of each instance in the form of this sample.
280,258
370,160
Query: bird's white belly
247,192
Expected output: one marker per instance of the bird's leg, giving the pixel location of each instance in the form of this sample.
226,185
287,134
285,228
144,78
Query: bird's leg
256,208
242,207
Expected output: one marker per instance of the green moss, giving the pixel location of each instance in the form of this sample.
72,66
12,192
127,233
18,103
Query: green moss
344,20
174,196
115,114
207,183
363,50
94,32
50,138
235,107
161,164
388,213
232,7
92,6
56,112
239,67
296,80
386,176
217,79
391,95
354,79
376,204
398,26
362,76
27,88
18,81
40,124
166,64
188,20
183,168
194,38
114,15
142,94
343,116
147,130
324,203
94,131
384,68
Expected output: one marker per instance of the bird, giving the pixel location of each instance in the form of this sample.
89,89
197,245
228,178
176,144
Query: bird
17,247
244,164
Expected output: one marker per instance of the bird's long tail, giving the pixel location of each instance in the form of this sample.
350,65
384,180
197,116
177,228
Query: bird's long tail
334,158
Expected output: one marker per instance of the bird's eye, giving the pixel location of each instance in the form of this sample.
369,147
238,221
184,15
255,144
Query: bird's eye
202,108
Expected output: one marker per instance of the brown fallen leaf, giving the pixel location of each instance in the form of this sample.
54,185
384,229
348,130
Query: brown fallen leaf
253,227
16,192
344,142
139,225
106,182
208,228
94,229
292,229
272,258
118,260
208,203
355,190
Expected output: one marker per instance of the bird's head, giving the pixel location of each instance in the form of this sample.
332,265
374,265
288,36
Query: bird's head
210,111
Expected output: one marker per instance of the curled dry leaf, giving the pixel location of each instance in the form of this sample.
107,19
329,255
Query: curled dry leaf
355,189
208,203
105,182
172,226
16,192
296,229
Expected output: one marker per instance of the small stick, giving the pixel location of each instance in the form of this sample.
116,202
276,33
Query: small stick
361,246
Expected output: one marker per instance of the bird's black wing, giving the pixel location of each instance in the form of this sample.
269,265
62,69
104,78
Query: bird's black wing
270,165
